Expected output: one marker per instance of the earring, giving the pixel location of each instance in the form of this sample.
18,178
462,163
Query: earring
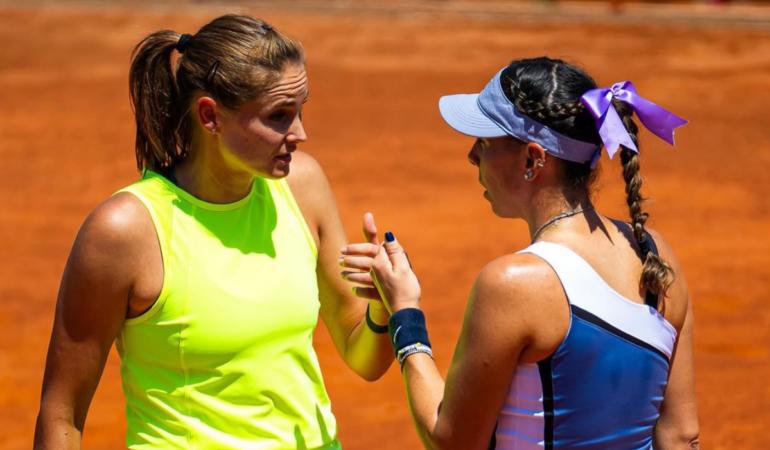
529,174
540,163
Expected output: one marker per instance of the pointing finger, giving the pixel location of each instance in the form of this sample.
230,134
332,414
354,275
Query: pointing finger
396,253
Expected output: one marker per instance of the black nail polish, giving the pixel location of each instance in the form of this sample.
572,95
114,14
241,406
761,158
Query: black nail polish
389,237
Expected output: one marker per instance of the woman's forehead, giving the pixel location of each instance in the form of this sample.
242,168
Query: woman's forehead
293,83
291,88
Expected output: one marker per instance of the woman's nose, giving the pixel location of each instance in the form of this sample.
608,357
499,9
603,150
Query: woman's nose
297,130
473,154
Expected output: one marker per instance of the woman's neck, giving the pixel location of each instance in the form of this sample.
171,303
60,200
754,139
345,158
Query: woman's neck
551,209
207,175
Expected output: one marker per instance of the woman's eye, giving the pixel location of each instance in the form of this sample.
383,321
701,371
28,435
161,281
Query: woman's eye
279,116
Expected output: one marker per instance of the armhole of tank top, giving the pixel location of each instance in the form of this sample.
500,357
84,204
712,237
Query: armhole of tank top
566,297
158,304
283,187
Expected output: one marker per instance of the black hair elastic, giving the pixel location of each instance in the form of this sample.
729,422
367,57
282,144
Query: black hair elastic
184,40
375,327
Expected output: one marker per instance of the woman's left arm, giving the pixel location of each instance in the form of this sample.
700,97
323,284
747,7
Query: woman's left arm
369,354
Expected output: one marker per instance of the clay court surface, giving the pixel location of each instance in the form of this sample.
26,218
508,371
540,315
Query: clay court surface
66,143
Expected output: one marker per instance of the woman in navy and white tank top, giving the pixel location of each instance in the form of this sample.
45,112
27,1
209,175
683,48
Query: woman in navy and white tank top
582,340
604,384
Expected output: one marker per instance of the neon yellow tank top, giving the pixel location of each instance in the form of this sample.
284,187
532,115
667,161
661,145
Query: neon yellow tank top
224,358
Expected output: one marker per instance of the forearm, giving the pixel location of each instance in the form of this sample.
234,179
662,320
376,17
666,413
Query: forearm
425,391
55,433
369,354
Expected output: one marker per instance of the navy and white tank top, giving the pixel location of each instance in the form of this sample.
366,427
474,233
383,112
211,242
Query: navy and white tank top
603,386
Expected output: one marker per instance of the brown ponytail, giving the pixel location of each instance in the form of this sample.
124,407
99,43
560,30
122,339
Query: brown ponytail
154,96
657,274
233,58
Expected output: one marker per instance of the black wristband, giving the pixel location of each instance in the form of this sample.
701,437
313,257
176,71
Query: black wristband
407,327
379,329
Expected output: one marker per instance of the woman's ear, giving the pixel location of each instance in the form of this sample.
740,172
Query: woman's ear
207,112
535,160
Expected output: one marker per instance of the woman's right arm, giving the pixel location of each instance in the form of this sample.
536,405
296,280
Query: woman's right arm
677,427
97,283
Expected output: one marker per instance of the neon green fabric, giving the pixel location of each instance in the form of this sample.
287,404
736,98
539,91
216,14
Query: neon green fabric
224,358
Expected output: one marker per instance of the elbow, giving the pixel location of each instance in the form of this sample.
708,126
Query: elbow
54,431
690,439
370,377
443,438
370,369
682,436
437,443
687,439
370,374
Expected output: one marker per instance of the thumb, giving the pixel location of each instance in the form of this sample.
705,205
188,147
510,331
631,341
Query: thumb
395,252
370,229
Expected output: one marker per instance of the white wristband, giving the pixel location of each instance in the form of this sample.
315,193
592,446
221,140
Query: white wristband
411,350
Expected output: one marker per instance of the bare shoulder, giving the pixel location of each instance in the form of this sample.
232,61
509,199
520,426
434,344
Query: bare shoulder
115,233
309,185
514,283
114,250
117,220
664,248
513,297
513,273
305,172
312,192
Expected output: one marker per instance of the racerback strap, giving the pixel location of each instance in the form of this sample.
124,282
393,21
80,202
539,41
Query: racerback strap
648,246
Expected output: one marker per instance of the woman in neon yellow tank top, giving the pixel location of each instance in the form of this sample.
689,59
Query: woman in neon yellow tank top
211,271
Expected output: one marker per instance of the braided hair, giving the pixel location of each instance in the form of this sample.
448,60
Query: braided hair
548,91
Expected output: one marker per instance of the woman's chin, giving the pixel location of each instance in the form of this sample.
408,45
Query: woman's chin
280,170
502,213
280,173
492,204
498,213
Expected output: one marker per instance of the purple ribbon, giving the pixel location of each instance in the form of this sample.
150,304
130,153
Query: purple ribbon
660,122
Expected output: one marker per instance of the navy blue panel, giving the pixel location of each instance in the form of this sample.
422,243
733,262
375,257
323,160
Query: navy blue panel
544,367
585,315
493,440
607,391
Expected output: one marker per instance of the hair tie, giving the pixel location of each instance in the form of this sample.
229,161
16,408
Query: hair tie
264,28
184,40
659,121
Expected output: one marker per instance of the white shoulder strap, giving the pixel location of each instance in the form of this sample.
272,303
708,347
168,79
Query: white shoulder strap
586,290
577,277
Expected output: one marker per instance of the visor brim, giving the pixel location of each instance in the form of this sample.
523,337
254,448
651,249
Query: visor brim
462,113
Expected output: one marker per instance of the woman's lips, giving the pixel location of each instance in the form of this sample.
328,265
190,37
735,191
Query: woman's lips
285,157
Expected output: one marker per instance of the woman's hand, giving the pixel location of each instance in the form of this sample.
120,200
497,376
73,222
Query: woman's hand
393,276
357,260
383,271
